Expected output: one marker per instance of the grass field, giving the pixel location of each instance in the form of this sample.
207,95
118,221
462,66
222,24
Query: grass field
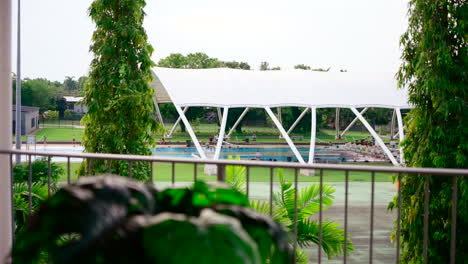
204,132
162,172
59,134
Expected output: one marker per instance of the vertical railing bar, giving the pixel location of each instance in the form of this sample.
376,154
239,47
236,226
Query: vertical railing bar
320,218
345,248
221,173
109,166
12,189
89,166
398,219
151,172
30,186
453,237
296,173
173,174
271,191
426,217
195,172
48,176
130,169
68,171
371,241
247,175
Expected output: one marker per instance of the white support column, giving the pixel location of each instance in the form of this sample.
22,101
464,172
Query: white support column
158,112
376,136
280,117
176,123
396,134
392,125
6,233
298,120
190,131
313,135
238,121
352,123
400,132
285,135
222,130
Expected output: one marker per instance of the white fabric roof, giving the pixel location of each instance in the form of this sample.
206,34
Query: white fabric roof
241,88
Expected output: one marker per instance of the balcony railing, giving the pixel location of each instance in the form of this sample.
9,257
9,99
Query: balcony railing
392,251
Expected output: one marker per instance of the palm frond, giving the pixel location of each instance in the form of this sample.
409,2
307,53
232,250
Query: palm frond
235,176
280,214
38,190
332,236
301,256
308,200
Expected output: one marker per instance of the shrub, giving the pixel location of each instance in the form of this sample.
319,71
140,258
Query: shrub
68,114
117,220
51,115
39,172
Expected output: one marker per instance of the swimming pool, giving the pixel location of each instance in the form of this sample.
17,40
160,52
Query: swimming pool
322,154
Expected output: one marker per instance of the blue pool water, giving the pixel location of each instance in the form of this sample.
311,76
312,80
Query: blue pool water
263,153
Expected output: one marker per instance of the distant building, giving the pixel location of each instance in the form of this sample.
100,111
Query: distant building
29,119
74,104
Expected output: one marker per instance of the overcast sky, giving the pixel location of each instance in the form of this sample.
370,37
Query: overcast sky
359,35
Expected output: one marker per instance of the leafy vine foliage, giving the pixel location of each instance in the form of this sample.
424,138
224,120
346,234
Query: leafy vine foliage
434,69
120,116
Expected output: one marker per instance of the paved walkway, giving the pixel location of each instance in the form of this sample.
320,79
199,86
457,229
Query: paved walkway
358,218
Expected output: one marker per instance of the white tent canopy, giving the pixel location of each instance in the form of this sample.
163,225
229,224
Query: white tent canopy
240,88
230,88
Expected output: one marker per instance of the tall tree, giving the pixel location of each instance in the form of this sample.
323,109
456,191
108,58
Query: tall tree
120,116
70,84
434,69
264,66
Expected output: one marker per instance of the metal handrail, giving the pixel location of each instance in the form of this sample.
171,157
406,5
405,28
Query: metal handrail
293,165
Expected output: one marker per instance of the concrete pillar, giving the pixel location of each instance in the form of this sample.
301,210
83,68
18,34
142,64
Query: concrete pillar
6,235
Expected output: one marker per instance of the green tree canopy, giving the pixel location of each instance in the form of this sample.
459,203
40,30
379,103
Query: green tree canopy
120,116
175,60
434,68
38,92
70,84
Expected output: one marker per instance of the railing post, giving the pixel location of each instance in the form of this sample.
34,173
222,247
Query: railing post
6,234
221,173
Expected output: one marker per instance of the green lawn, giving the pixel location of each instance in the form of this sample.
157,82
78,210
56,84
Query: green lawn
162,172
59,134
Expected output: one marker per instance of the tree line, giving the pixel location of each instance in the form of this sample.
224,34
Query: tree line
47,94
